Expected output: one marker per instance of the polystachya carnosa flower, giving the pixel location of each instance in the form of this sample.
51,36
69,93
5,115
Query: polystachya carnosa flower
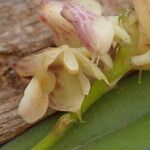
95,31
60,80
63,31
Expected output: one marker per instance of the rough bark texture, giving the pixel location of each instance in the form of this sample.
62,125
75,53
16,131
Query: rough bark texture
21,34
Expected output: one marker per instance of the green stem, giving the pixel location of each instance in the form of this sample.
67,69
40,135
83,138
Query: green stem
62,125
99,88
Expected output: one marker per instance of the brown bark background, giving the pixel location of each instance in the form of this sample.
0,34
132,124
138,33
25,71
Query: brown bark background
21,33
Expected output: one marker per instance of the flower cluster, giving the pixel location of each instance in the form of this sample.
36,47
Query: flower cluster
86,44
60,80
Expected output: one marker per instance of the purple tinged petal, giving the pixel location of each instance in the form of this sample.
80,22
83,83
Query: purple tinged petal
94,30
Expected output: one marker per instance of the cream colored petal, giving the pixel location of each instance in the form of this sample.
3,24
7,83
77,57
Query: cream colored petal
51,55
106,58
34,103
47,81
122,34
84,51
68,95
29,65
141,60
85,83
95,31
142,8
90,68
91,5
103,35
70,62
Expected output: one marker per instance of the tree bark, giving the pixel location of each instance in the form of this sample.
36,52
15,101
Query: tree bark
21,33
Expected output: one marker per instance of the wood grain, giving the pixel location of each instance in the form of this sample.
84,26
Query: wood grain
21,33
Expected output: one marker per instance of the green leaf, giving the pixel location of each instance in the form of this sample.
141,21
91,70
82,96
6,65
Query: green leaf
120,120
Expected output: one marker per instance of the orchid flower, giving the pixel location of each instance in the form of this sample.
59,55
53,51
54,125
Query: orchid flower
64,32
94,30
60,80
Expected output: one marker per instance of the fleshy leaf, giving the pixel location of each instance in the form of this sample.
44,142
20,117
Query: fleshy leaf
95,31
67,95
120,120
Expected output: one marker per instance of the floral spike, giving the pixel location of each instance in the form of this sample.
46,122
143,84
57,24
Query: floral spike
95,31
